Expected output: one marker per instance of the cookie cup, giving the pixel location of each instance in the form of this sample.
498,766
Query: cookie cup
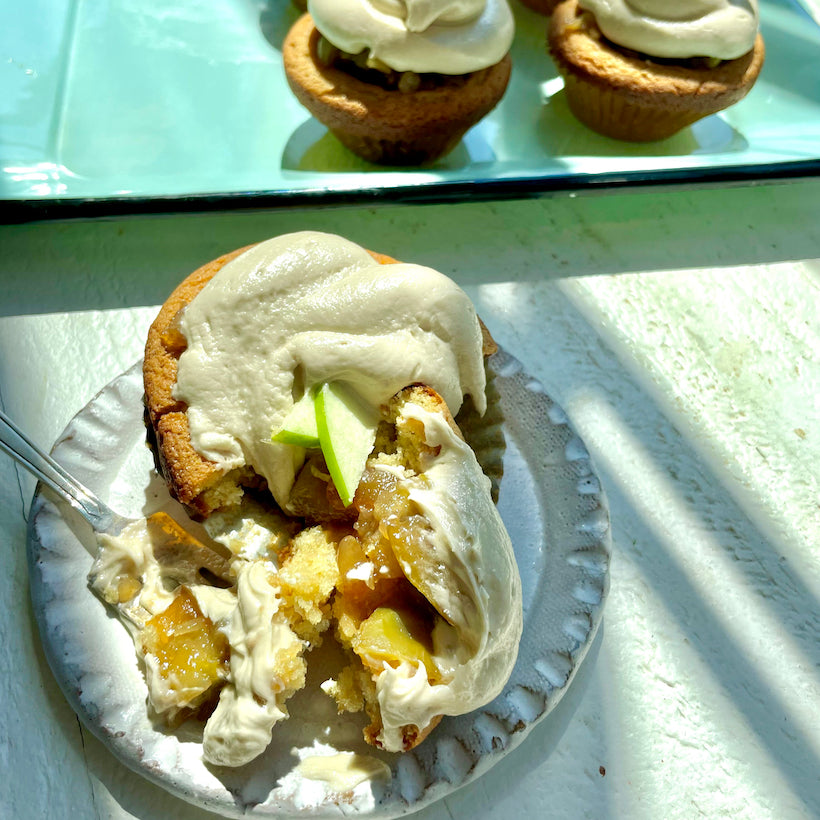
628,96
383,126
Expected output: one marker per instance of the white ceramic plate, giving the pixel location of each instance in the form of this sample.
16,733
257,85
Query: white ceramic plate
557,516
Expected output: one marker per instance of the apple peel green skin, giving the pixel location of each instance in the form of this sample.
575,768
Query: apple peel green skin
347,433
299,427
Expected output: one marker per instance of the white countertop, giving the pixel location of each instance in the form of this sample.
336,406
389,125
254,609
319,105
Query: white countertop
680,332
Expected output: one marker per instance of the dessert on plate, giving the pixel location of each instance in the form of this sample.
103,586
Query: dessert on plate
644,71
400,83
305,398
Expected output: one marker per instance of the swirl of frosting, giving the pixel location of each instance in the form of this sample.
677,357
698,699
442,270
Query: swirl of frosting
253,700
307,308
722,29
469,575
439,36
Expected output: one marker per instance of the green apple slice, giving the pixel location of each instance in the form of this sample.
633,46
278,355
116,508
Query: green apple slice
347,432
299,427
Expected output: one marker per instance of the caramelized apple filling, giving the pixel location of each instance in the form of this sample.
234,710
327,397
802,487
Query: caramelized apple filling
394,637
190,653
383,616
368,69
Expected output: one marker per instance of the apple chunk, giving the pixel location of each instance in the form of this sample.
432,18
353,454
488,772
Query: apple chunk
347,432
299,427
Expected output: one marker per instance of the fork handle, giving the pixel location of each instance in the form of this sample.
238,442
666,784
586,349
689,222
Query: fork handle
18,445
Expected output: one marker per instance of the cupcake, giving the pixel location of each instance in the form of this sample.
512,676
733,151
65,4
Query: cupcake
400,83
395,547
644,73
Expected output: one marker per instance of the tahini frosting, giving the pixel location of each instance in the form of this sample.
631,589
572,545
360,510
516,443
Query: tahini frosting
440,36
723,29
253,699
307,308
471,578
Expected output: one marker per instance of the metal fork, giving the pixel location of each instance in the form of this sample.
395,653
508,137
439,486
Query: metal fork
173,546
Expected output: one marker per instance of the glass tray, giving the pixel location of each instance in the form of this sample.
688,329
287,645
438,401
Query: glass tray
140,105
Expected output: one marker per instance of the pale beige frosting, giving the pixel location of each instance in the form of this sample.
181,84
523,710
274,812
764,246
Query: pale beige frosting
253,699
342,772
471,578
722,29
307,308
441,36
129,556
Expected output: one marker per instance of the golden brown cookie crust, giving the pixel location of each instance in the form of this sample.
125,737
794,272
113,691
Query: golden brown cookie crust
186,473
165,344
582,52
384,125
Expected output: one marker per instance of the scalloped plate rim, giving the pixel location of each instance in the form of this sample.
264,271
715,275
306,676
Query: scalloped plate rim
42,533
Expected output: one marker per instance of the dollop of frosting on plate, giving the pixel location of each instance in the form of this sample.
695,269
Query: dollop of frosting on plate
343,771
307,308
444,37
253,700
722,29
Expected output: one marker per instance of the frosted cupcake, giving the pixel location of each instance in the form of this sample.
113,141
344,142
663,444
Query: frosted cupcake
642,70
404,559
399,82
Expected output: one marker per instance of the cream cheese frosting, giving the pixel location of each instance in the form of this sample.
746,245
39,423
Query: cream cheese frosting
307,308
342,772
470,576
722,29
128,557
253,700
440,36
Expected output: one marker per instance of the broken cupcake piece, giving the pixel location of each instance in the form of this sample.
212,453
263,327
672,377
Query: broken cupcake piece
402,558
427,603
